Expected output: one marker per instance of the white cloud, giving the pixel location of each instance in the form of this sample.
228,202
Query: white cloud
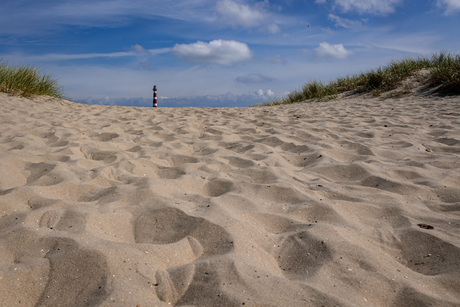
139,49
272,28
450,5
238,14
345,23
136,50
32,17
326,50
224,52
378,7
267,94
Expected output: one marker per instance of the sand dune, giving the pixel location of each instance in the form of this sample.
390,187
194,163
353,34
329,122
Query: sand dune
354,202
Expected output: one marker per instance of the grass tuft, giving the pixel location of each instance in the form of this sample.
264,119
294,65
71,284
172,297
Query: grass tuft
444,74
26,81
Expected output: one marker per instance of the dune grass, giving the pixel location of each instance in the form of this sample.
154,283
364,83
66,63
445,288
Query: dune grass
26,81
444,74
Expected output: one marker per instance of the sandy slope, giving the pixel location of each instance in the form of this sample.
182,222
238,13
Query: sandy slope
300,205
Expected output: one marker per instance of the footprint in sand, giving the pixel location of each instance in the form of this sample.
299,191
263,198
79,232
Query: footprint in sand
105,156
105,137
37,171
171,225
63,220
429,255
78,277
301,255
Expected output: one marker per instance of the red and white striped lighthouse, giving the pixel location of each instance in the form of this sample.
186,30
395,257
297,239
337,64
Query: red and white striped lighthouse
155,101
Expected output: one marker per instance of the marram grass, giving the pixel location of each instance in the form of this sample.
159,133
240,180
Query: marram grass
26,81
444,75
446,72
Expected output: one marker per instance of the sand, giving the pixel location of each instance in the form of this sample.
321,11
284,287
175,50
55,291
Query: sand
353,202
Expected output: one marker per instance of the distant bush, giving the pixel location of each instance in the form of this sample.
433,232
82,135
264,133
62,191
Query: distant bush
26,81
444,74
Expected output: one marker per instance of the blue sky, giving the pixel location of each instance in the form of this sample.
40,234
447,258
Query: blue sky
216,52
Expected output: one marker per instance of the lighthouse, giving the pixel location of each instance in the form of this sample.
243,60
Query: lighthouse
155,101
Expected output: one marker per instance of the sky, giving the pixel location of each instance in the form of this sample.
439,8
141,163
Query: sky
220,53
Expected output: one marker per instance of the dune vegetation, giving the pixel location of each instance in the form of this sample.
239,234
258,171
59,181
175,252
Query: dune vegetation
24,80
444,76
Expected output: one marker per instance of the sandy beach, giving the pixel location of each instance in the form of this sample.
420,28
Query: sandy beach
351,202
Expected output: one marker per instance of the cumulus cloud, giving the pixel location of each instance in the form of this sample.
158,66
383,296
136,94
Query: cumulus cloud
253,78
378,7
261,93
326,50
345,23
238,14
224,52
450,6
